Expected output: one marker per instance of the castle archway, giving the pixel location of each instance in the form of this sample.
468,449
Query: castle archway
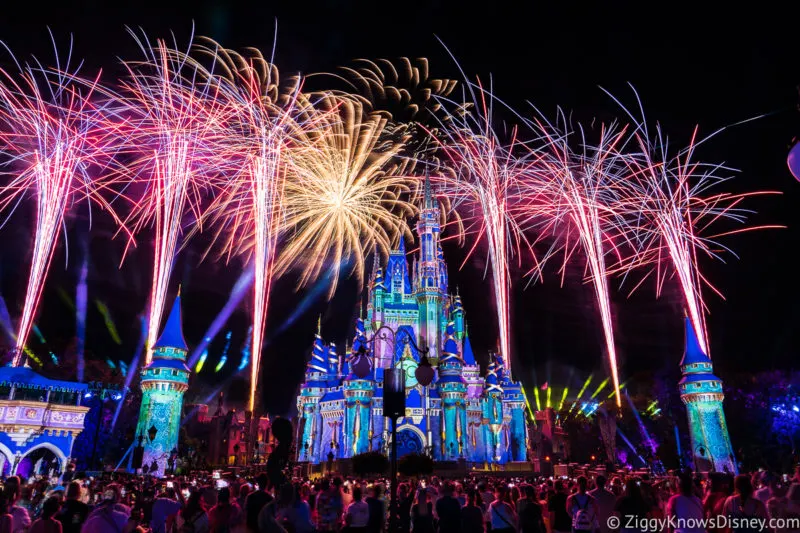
43,459
409,440
6,461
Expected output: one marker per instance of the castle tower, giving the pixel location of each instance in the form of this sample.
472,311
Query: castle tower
358,393
453,392
164,381
334,372
701,392
430,275
457,316
493,412
377,303
516,427
472,371
308,402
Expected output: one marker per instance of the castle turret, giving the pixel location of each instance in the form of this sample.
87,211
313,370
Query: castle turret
457,316
493,410
376,303
334,372
472,371
453,392
431,287
397,281
164,381
514,418
358,393
308,402
701,392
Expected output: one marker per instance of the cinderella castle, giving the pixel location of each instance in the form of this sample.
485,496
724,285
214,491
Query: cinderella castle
463,414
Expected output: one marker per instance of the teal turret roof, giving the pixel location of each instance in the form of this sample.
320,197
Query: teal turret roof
333,360
491,375
172,334
457,306
693,353
450,362
377,282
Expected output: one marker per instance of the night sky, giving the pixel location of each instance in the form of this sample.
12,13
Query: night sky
690,66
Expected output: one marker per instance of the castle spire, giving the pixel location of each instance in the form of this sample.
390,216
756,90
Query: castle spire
427,188
467,355
318,362
172,334
693,353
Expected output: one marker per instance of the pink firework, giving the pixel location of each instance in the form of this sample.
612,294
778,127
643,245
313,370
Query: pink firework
671,209
54,144
175,121
248,209
572,196
481,185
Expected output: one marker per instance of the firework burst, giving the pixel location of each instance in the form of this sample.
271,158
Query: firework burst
572,196
176,123
54,145
249,208
482,182
671,207
346,193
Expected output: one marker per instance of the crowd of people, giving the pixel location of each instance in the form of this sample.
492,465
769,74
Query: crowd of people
204,503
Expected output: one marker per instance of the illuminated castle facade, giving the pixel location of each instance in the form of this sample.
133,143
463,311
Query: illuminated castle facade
164,381
462,414
701,392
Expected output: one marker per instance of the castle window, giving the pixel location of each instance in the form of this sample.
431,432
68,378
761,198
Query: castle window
157,371
174,372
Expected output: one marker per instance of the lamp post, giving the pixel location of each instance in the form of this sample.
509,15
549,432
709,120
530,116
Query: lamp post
394,406
394,401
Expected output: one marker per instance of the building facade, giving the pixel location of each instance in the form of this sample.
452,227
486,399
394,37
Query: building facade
462,414
701,392
40,419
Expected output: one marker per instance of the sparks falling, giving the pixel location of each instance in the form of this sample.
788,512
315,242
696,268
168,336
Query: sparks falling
53,144
177,117
579,188
484,177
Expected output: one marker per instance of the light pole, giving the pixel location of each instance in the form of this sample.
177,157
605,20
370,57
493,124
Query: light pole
394,396
394,406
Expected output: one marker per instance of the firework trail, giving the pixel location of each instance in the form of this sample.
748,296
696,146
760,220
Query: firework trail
250,206
482,183
52,139
572,195
671,208
240,288
178,116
